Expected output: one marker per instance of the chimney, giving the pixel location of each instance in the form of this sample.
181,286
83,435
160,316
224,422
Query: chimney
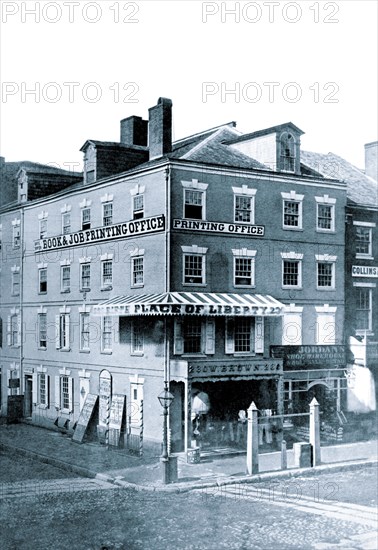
160,128
134,131
371,160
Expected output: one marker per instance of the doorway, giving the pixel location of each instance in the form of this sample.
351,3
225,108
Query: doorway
28,396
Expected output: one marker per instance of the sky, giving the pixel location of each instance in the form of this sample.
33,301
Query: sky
72,69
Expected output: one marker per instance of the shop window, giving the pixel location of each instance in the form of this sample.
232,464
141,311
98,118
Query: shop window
84,332
66,223
85,277
106,274
244,335
138,207
137,337
42,330
85,218
42,280
107,214
194,335
364,310
65,278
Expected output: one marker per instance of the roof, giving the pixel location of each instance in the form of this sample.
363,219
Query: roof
267,131
361,189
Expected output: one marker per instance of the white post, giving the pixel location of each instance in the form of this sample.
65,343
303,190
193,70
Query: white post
252,440
315,432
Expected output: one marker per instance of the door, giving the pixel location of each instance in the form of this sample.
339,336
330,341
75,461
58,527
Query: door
28,396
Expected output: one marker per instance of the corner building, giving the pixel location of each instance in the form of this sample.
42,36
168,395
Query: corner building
214,264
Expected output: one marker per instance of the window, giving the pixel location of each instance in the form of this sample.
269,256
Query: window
42,228
363,239
194,204
138,207
291,273
106,340
364,309
42,280
84,331
243,209
43,389
16,283
107,214
16,236
325,217
245,335
244,267
137,271
194,272
85,218
14,330
65,278
107,274
85,277
287,152
65,392
194,335
66,223
137,337
64,332
292,210
325,271
42,330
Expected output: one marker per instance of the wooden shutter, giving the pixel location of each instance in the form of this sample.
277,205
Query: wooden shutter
259,334
57,331
210,337
35,389
19,335
229,336
71,394
9,330
67,331
57,392
178,347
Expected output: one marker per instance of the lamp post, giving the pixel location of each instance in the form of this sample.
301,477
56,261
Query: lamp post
165,399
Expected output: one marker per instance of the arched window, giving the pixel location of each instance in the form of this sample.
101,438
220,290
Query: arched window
287,152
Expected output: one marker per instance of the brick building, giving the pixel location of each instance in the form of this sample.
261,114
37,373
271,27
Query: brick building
215,263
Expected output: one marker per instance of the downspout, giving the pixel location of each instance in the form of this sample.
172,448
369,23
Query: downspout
22,379
167,324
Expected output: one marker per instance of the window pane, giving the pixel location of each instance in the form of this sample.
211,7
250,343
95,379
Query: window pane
66,278
137,271
66,223
324,216
192,328
243,271
108,214
193,269
291,273
107,333
138,207
363,315
43,280
291,213
193,204
85,276
243,208
42,318
107,273
242,335
86,218
325,274
363,235
65,395
137,336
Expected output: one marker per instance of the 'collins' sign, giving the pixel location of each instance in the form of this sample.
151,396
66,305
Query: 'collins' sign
117,231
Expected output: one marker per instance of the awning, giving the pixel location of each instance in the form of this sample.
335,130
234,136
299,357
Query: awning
191,303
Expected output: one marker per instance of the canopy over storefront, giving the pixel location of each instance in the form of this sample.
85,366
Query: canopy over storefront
191,303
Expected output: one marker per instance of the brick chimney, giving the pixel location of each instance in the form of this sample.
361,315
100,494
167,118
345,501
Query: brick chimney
160,128
134,131
371,160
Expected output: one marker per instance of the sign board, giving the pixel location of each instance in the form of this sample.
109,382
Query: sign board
310,357
241,229
15,408
117,422
121,230
251,367
105,391
87,415
364,271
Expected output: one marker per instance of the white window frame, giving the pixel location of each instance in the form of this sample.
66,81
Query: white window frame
85,222
84,318
292,257
106,329
40,270
207,337
83,266
43,228
104,261
16,281
44,402
329,202
244,254
329,260
16,234
195,185
138,211
369,226
42,315
369,287
293,196
196,251
14,335
247,193
106,216
69,393
64,269
256,336
66,223
134,264
137,337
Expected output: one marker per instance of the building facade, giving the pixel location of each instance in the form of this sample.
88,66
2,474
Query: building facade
214,264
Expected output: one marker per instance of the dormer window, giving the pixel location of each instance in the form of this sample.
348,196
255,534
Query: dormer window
287,152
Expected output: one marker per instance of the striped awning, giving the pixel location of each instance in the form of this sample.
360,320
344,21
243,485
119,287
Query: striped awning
191,303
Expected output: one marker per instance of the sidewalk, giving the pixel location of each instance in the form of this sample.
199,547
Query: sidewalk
92,459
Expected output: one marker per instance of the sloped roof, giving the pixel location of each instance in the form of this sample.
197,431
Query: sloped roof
361,189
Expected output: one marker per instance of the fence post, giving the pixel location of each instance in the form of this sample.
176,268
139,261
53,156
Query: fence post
252,440
315,432
283,455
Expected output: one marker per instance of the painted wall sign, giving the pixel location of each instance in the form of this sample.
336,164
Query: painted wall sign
254,366
295,357
220,227
364,271
117,231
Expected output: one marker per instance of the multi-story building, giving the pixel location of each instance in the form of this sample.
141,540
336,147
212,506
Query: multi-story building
214,264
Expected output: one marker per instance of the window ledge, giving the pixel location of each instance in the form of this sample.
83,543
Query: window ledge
106,288
326,288
364,333
320,230
42,349
364,257
292,288
137,353
244,286
85,290
40,406
106,351
244,354
84,351
141,285
65,291
194,284
288,228
194,355
42,293
65,349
